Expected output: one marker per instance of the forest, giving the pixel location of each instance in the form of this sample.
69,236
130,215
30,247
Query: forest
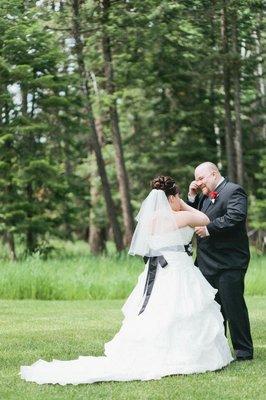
99,96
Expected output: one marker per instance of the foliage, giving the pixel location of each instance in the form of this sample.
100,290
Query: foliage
168,80
258,211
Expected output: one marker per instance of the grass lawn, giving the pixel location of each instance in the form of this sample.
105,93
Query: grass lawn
33,329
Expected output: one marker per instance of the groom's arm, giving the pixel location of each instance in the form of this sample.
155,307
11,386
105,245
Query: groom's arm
236,213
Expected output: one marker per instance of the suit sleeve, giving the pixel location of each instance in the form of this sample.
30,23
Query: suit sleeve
236,213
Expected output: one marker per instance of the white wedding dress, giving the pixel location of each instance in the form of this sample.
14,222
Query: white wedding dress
180,331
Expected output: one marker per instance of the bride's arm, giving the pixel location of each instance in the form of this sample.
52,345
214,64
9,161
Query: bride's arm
184,218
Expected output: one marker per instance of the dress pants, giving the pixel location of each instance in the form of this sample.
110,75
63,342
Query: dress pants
230,295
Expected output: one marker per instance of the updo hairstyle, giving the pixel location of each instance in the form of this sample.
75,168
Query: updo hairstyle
165,183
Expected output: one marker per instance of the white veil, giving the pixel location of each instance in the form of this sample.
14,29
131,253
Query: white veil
157,226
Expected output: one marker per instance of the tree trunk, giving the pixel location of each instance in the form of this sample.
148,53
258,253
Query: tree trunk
24,103
119,156
258,120
227,96
96,231
236,82
31,240
213,97
96,239
91,123
9,239
68,172
33,105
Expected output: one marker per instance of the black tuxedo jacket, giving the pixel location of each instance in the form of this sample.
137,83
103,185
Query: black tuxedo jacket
227,246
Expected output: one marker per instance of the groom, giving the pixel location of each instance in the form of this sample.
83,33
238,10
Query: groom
223,250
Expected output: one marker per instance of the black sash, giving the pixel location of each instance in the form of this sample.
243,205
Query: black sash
152,268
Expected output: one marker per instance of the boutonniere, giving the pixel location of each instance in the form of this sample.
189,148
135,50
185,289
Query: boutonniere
213,196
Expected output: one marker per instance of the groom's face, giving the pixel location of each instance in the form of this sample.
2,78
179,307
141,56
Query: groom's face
206,179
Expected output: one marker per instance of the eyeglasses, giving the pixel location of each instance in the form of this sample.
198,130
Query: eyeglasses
204,177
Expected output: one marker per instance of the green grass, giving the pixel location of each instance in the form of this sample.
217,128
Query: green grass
74,274
71,274
31,329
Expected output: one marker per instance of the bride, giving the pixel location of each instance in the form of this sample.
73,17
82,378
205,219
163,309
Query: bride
172,325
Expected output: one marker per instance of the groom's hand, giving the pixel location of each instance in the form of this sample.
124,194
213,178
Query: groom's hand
201,231
193,189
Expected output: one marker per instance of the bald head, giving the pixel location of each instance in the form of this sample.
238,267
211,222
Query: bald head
207,176
208,166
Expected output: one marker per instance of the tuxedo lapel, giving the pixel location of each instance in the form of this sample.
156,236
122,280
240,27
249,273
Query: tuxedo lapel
221,186
201,202
206,204
208,201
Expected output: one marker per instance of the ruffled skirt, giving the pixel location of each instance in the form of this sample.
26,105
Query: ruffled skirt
181,331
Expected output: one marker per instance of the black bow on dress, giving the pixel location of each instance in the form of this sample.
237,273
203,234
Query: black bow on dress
152,268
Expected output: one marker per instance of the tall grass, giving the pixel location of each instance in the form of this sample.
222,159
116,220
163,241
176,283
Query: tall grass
70,274
256,275
74,274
